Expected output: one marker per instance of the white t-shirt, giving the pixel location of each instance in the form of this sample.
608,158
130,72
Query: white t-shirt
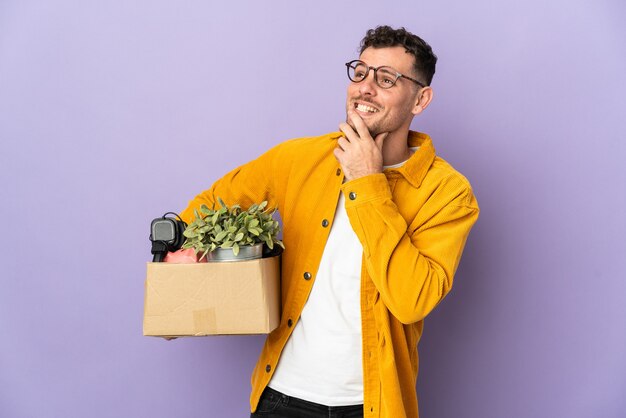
322,360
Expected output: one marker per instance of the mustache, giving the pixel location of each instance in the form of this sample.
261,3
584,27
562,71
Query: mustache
366,100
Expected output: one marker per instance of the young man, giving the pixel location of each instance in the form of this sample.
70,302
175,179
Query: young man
374,227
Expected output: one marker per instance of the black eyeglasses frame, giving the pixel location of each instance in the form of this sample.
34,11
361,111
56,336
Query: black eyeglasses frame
398,75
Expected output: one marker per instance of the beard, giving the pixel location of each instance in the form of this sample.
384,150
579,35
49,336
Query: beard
383,120
374,127
373,130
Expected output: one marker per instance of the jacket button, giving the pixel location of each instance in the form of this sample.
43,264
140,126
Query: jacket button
307,276
289,322
325,223
352,196
338,171
268,368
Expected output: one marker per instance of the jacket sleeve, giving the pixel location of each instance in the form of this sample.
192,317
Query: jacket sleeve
250,183
411,265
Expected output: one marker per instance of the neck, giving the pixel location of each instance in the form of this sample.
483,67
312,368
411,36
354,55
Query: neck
396,148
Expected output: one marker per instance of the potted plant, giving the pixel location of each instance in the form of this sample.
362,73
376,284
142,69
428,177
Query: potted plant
231,233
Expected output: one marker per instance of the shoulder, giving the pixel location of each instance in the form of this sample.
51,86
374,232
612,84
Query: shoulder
311,143
309,149
444,180
443,170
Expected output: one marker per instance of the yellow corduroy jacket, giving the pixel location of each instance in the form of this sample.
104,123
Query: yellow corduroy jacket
412,222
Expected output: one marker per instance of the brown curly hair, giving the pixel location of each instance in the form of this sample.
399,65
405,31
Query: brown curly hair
386,36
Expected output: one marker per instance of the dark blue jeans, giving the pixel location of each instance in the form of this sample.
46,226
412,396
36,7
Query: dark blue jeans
274,404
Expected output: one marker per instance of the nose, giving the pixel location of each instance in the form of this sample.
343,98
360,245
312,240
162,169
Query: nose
368,86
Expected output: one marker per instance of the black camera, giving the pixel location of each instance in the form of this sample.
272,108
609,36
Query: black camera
166,235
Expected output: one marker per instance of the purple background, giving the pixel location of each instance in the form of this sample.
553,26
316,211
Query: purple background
112,113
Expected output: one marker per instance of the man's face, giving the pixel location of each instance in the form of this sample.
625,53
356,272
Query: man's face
385,110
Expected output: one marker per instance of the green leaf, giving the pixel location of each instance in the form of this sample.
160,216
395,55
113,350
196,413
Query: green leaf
221,236
235,249
232,227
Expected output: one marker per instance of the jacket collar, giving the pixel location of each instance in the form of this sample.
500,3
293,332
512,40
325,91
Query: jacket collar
415,169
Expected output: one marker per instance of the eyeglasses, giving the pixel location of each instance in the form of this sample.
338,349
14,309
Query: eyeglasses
386,77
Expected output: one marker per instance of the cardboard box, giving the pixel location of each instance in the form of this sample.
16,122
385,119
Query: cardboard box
240,297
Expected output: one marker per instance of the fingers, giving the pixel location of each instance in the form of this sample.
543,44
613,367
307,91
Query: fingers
380,138
339,154
343,143
348,131
361,131
360,126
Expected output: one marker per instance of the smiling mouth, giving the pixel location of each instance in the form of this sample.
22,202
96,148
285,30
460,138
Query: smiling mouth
365,108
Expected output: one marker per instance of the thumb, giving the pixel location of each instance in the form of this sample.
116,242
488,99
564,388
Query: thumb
380,138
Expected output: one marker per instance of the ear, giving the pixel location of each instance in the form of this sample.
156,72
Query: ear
422,100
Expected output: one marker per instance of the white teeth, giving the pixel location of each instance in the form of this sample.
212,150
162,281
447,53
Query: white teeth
364,108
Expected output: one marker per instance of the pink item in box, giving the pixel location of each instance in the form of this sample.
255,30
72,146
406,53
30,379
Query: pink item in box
182,257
